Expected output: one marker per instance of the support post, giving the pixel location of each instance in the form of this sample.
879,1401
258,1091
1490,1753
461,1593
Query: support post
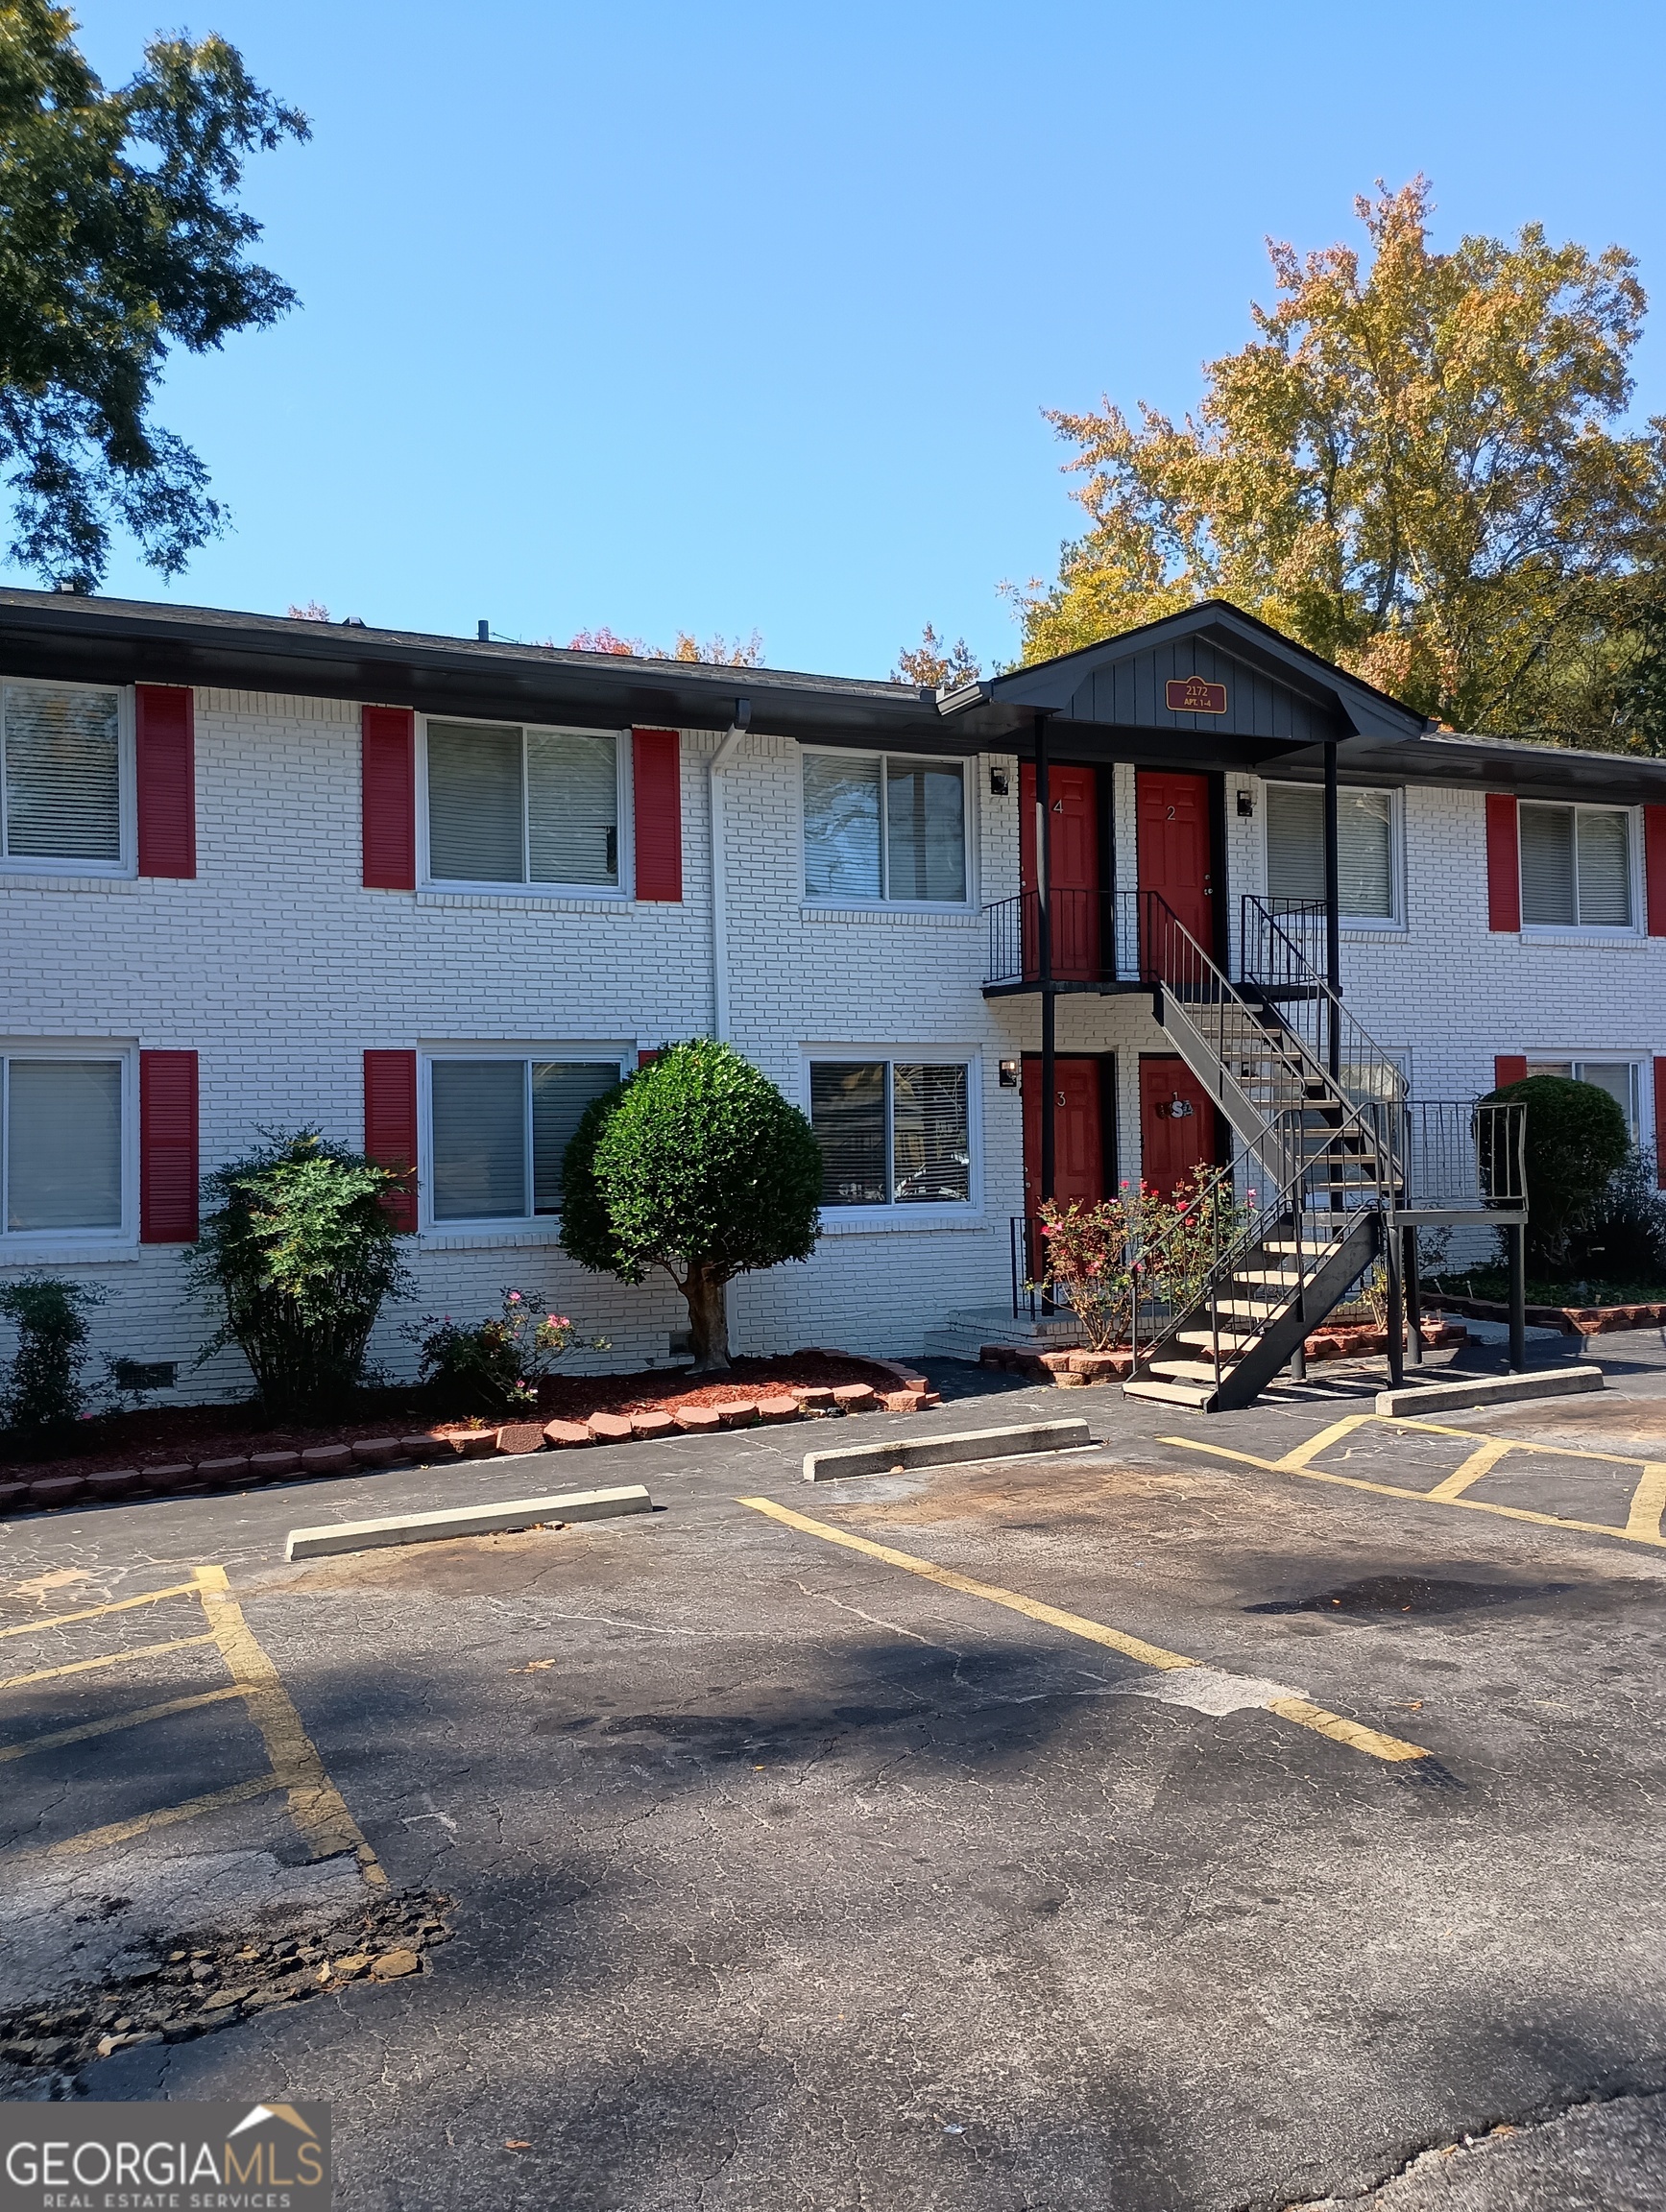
1333,912
1396,1313
1043,948
1413,1290
1518,1236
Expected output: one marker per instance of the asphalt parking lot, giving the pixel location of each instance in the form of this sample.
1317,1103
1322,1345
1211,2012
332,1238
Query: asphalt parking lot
1238,1814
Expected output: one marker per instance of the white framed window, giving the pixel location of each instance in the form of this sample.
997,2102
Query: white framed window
897,1130
1621,1079
1578,867
514,805
497,1123
66,1140
66,779
884,829
1368,850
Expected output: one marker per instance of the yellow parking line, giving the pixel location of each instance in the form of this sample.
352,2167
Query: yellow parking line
106,1659
1298,1709
1643,1522
126,1831
1298,1460
1420,1497
119,1721
1516,1443
97,1612
316,1805
1481,1461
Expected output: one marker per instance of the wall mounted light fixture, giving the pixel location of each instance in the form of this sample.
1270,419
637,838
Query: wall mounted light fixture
1000,780
1009,1075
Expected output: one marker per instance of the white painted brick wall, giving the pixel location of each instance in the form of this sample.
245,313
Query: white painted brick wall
279,969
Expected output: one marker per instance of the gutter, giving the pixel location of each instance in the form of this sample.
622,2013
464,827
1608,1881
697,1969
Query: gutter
725,751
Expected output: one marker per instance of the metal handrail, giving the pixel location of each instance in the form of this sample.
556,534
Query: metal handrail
1272,962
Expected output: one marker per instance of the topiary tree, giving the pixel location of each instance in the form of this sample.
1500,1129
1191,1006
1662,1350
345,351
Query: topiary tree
298,1253
696,1164
1575,1139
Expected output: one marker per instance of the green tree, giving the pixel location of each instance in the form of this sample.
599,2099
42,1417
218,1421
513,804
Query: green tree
696,1164
1409,468
297,1253
120,236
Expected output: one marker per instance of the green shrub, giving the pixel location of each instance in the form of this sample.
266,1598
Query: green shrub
493,1367
1575,1139
42,1391
1623,1236
297,1254
696,1164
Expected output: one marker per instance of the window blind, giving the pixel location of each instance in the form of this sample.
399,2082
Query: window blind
572,807
561,1090
1576,866
62,775
1295,850
841,827
926,830
1603,848
478,1115
846,1111
932,1162
1295,843
63,1152
476,815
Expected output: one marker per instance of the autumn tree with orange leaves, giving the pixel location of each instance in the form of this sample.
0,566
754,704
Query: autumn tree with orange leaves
1417,466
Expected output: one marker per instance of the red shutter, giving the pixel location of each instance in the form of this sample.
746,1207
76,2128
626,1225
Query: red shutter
656,780
388,795
1508,1068
647,1059
167,1148
164,729
391,1126
1660,1122
1654,867
1503,863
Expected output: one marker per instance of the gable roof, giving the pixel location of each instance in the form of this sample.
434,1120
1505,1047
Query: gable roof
1274,695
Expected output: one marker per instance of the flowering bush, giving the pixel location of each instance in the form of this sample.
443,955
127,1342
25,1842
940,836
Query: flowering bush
1097,1259
493,1367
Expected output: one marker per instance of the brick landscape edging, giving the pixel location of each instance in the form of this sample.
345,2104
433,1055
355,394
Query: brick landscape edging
1070,1370
516,1439
1570,1320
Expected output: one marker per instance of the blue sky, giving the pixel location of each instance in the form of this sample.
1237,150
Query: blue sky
732,316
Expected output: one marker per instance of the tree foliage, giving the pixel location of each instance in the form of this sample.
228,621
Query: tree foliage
120,236
1576,1139
696,1165
296,1255
717,651
937,665
42,1389
1412,468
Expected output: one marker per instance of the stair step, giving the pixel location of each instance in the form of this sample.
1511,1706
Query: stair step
1269,1275
1312,1250
1225,1339
1190,1371
1172,1394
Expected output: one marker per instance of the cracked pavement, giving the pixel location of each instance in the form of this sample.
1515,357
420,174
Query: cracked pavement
780,1877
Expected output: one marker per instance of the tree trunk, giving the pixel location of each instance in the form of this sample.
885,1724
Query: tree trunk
708,1319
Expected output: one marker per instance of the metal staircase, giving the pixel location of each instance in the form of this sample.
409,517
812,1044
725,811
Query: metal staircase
1275,1243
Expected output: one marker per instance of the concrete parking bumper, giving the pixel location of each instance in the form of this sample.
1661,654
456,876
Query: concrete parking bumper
970,1445
498,1520
1488,1390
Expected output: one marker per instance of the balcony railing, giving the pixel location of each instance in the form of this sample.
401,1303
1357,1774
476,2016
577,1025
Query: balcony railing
1095,939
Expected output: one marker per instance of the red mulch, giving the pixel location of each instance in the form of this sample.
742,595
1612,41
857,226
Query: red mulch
162,1433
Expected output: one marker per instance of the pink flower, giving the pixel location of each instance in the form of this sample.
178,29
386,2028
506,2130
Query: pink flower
514,1297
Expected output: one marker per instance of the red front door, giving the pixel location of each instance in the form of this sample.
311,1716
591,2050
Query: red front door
1176,859
1073,844
1172,1141
1078,1150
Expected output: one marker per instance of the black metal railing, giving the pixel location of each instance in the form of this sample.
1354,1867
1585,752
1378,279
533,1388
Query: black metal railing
1083,926
1466,1155
1280,948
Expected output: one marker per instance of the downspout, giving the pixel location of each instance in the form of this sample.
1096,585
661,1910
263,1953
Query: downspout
719,760
728,747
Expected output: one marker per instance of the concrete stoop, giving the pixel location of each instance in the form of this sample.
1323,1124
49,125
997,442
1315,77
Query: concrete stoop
964,1331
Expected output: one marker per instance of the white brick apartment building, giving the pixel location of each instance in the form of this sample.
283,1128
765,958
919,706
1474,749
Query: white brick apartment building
429,894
